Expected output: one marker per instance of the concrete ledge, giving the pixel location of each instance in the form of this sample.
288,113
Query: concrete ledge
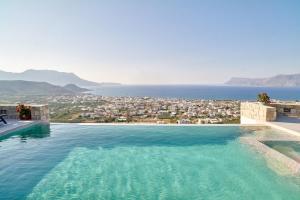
290,131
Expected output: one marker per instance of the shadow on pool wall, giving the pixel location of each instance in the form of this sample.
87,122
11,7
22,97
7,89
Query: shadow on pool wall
34,132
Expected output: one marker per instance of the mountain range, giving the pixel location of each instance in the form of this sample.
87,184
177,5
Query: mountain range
291,80
27,88
50,76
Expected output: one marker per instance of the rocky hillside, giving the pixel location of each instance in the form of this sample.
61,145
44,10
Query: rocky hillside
36,88
292,80
49,76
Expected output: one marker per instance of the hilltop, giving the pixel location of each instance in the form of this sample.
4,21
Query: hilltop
19,87
50,76
291,80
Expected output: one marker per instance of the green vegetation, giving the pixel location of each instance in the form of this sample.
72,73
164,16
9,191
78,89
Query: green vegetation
263,98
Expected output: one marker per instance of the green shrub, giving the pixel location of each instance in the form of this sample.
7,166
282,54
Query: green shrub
263,98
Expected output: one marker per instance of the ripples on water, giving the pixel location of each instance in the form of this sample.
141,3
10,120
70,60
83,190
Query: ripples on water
136,162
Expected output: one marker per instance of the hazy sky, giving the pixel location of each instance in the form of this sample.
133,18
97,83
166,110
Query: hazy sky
152,41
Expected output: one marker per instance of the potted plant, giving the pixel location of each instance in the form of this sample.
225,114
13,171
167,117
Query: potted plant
24,112
263,98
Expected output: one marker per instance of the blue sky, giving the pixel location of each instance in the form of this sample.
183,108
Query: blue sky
153,41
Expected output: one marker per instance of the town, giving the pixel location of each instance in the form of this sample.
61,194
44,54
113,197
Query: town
100,109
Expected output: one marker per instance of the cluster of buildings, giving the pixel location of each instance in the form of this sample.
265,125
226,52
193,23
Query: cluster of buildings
91,108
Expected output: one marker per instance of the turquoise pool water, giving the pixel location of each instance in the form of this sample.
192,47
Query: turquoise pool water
288,148
69,161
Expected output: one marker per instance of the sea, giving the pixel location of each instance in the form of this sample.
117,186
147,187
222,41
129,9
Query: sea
198,92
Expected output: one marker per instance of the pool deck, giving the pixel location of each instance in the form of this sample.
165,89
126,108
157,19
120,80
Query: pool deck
13,125
288,124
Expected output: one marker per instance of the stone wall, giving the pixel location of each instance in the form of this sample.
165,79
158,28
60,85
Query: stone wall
254,112
287,109
38,112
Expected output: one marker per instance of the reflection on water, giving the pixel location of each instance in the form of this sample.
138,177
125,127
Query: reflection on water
35,131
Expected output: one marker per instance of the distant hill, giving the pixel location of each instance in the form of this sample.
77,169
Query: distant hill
292,80
49,76
35,88
75,88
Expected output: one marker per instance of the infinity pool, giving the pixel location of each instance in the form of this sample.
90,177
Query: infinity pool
69,161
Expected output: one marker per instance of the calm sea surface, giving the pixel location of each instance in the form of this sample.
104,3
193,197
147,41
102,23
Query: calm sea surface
198,92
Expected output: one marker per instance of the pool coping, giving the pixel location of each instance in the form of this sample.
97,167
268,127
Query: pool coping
287,130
